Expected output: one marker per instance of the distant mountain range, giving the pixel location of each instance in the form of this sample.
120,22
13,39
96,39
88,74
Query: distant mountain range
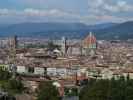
70,30
122,31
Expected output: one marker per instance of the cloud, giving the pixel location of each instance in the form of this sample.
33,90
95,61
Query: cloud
95,3
109,10
98,11
39,15
33,2
56,13
52,15
4,12
104,6
36,12
120,6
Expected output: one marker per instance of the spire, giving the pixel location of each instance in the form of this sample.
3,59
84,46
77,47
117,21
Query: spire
90,38
90,34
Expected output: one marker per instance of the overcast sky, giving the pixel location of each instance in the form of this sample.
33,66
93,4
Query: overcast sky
86,11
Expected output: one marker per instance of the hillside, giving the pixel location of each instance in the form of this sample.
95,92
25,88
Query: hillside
70,30
119,31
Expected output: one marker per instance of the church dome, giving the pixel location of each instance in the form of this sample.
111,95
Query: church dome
89,41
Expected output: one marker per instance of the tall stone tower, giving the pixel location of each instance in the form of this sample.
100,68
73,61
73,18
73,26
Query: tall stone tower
63,45
12,49
13,42
12,54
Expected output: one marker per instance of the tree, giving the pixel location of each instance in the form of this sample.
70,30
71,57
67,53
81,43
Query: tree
4,74
46,91
13,86
97,91
16,85
71,92
121,89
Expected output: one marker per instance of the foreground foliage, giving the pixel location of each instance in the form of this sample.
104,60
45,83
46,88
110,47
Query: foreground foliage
46,91
8,84
121,89
13,86
4,75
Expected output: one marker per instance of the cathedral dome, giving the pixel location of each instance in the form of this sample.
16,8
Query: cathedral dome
89,41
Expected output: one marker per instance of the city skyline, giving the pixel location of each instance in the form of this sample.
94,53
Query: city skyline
85,11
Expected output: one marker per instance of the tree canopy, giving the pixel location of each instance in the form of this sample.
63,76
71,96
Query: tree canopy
4,74
121,89
46,91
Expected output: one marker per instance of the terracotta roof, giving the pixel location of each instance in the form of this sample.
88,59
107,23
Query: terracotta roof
89,40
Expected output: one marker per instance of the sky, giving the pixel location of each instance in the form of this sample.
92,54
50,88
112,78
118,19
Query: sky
83,11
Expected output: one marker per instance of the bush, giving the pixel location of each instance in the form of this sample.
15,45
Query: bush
13,86
4,74
46,91
121,89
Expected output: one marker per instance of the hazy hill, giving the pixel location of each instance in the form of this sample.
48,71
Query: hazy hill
119,31
70,30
